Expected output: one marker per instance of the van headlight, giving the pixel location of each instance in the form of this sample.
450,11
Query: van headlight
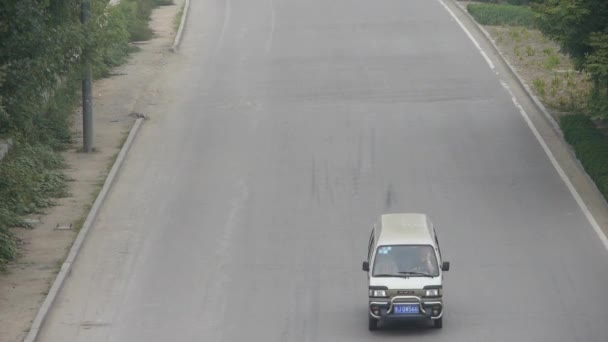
377,293
432,293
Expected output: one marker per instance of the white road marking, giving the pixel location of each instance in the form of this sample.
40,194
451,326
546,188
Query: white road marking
596,227
560,171
483,53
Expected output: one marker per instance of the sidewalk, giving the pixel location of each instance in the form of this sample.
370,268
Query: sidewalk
42,249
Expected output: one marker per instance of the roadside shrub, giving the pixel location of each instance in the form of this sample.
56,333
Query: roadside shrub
590,146
539,86
110,39
578,128
7,246
508,2
30,176
598,102
498,14
41,55
137,14
3,114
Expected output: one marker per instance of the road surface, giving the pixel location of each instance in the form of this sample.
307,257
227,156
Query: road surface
243,212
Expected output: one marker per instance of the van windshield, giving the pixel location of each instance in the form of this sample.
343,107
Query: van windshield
405,260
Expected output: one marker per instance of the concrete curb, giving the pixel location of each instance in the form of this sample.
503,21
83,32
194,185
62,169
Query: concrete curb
180,31
76,246
511,69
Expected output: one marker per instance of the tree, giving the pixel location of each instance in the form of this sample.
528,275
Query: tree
3,115
581,29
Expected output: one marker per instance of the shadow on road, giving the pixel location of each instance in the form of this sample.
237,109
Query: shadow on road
410,329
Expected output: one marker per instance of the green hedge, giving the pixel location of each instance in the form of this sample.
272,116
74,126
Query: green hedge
497,14
508,2
590,146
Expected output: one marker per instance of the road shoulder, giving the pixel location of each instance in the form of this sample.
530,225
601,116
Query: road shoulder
591,201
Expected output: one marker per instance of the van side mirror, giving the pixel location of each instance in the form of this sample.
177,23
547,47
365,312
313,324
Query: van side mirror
445,266
365,266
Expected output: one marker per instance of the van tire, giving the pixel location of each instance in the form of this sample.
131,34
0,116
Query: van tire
372,323
438,323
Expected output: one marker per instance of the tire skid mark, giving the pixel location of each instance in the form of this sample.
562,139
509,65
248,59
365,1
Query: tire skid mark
359,166
328,183
272,26
302,322
215,299
314,183
220,40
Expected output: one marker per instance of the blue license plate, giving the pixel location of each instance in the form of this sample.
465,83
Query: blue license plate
407,309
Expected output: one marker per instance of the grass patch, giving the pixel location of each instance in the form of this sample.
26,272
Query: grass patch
498,14
539,87
508,2
30,178
590,146
530,51
553,61
550,73
138,14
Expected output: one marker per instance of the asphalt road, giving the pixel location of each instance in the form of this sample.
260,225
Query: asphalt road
243,213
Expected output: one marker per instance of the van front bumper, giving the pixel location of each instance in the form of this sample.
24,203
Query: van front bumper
428,308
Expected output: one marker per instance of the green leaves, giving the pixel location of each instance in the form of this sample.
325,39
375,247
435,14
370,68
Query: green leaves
496,14
41,54
35,53
565,21
3,114
590,146
29,177
581,28
43,44
596,62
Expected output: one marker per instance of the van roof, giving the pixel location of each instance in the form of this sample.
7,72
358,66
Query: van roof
405,228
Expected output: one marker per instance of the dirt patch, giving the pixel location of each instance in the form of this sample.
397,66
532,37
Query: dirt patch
43,248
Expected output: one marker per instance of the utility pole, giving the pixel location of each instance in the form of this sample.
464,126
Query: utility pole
87,84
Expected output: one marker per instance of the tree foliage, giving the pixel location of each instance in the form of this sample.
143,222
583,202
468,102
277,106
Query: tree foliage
41,53
36,51
581,28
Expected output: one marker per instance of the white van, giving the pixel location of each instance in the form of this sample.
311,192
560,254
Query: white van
404,270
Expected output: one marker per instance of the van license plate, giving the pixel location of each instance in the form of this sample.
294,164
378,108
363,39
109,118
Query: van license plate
407,309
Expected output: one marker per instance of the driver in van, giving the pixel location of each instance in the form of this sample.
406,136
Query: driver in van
424,262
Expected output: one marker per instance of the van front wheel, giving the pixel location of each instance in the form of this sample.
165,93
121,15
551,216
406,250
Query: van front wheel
438,323
372,323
